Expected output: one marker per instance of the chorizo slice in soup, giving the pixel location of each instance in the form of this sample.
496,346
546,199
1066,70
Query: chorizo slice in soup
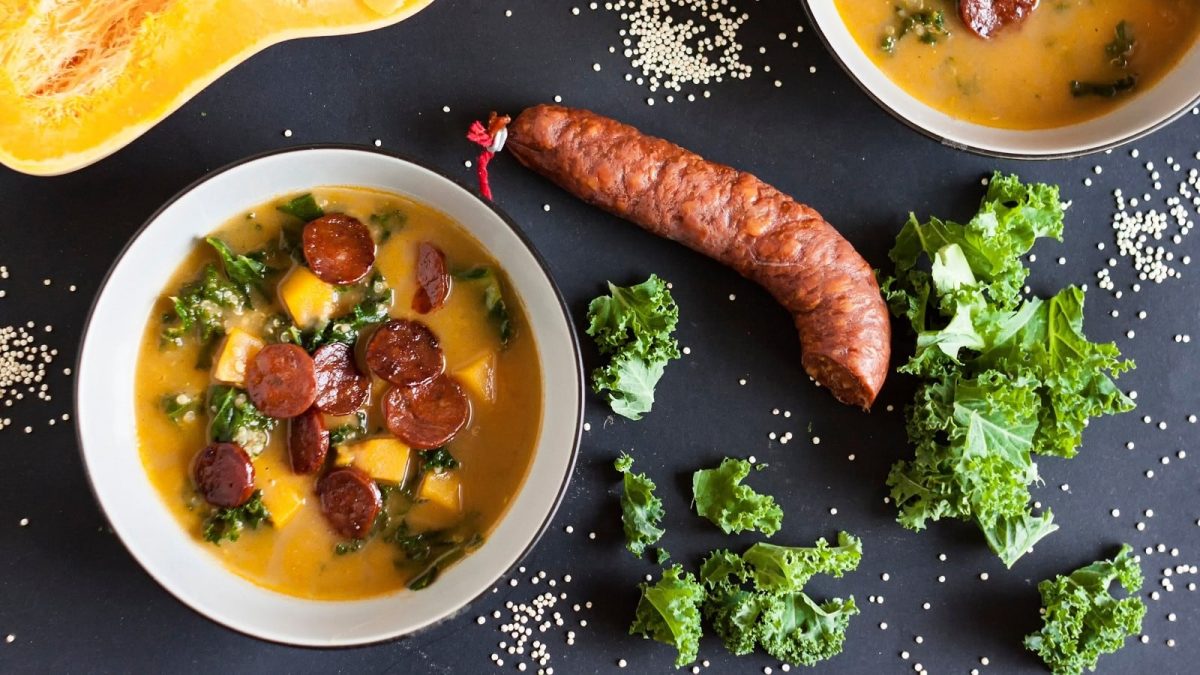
350,501
308,442
341,387
282,380
405,353
433,280
338,248
429,415
224,475
985,17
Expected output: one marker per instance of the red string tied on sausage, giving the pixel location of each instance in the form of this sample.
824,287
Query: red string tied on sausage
491,138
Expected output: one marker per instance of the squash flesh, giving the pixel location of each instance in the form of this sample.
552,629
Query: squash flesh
79,79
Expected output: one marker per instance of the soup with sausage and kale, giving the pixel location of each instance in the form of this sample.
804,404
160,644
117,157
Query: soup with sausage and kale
339,395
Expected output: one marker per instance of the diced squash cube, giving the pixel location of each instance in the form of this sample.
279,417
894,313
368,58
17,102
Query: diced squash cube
479,377
384,459
439,502
283,500
345,456
307,299
236,351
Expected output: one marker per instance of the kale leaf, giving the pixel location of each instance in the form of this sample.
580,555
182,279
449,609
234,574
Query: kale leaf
493,300
1081,88
438,460
720,497
245,271
1121,48
1002,378
757,598
786,569
234,419
181,407
303,207
731,610
1082,620
347,433
444,559
795,629
633,326
641,510
226,524
669,612
199,307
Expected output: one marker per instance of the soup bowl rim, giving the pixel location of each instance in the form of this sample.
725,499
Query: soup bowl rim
228,617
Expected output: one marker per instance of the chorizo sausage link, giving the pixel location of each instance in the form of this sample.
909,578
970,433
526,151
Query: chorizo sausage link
733,217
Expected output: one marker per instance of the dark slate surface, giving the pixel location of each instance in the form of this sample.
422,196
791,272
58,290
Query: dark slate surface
74,600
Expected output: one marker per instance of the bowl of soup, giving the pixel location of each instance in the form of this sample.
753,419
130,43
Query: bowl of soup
1021,78
328,396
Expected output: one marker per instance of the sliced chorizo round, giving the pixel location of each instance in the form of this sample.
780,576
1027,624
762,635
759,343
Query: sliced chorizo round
282,380
341,387
350,501
985,17
428,415
405,353
308,442
224,475
433,281
338,248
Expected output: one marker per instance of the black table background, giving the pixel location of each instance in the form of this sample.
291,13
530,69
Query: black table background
76,601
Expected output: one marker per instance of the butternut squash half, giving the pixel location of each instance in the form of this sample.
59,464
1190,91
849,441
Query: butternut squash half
80,79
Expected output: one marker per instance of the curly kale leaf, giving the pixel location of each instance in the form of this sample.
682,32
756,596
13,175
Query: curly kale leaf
669,612
795,629
227,523
774,611
1002,380
248,271
234,419
721,498
633,326
641,511
1082,620
1010,218
200,307
786,569
731,611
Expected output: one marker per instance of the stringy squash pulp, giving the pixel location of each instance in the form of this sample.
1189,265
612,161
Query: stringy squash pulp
79,79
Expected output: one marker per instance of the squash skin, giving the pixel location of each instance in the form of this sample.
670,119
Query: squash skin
165,70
